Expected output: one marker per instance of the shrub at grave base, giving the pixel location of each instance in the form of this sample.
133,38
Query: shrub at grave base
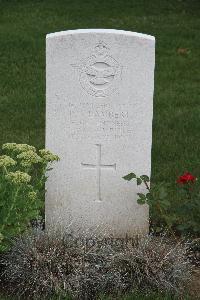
184,217
39,265
22,178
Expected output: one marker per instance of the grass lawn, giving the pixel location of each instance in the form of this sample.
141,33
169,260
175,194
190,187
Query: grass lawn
174,23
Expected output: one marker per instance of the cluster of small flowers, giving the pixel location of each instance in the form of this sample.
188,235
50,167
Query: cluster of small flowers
18,148
28,158
32,196
18,177
24,156
6,161
48,156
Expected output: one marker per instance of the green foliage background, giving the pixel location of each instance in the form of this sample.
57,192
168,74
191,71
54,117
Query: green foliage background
174,23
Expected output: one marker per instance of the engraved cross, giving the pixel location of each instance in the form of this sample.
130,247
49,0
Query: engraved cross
99,166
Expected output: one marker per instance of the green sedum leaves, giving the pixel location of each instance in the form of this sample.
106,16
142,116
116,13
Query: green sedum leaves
22,178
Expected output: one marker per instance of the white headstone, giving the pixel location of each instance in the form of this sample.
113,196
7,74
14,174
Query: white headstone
99,121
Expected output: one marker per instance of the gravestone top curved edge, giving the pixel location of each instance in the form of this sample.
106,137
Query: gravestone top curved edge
111,31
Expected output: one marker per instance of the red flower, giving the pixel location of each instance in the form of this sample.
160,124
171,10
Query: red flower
186,178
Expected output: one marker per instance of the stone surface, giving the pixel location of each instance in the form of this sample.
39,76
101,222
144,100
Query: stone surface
99,121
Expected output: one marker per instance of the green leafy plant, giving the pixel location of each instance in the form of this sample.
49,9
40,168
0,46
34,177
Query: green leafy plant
164,211
157,197
22,177
188,211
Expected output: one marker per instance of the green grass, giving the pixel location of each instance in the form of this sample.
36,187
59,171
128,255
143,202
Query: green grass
174,23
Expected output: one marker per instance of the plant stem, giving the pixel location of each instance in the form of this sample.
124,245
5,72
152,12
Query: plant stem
10,210
147,186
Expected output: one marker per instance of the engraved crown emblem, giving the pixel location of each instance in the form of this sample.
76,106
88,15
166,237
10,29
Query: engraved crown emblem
100,73
101,48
